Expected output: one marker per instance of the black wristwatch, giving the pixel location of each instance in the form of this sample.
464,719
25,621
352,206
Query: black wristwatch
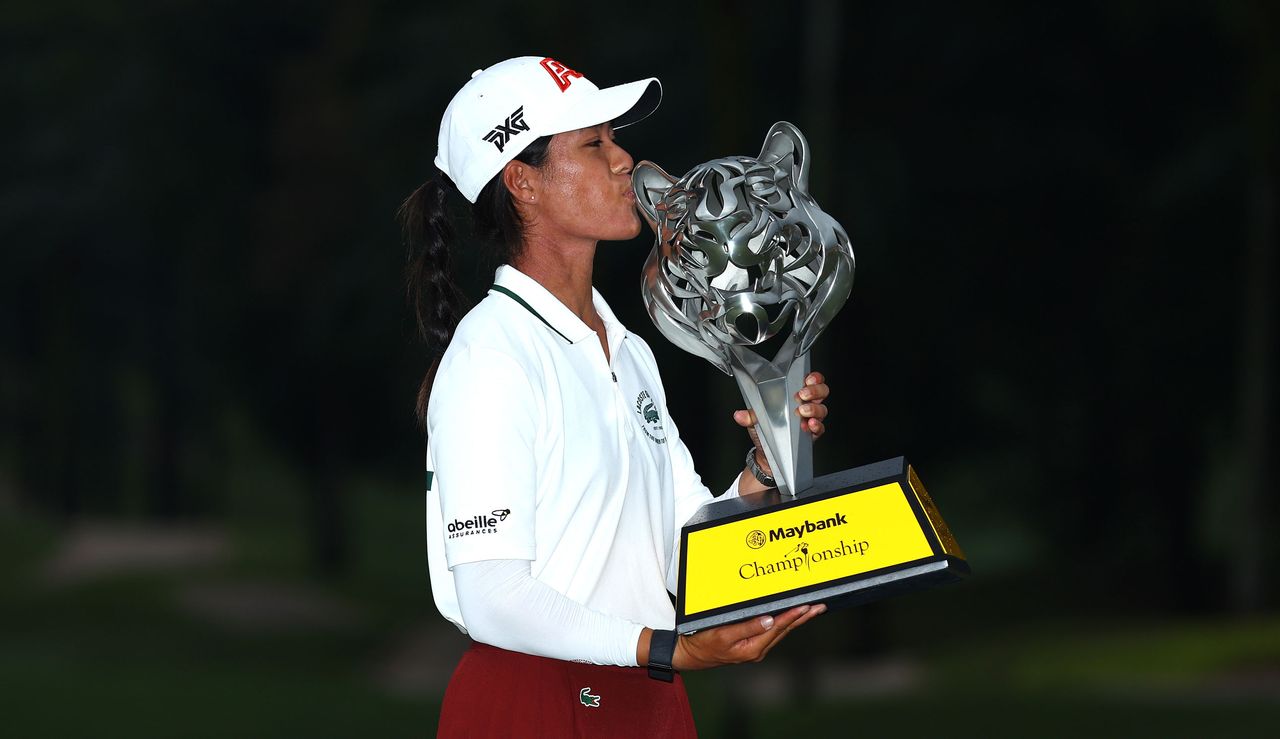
662,652
754,466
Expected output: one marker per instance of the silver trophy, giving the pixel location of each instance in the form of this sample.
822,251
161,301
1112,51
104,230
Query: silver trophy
744,254
746,261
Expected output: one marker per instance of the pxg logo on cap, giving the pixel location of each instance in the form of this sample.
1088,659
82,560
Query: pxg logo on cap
503,132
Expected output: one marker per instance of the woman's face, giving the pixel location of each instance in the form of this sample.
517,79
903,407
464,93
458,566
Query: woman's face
584,190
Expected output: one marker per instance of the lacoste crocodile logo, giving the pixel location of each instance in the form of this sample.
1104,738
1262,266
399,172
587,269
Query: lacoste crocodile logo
588,700
650,418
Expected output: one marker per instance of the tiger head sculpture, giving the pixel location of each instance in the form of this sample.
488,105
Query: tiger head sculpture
743,252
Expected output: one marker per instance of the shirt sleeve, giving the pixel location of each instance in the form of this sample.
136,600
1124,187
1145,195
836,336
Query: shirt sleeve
504,605
482,423
732,491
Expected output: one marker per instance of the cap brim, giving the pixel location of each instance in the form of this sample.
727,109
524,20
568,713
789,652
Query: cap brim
622,105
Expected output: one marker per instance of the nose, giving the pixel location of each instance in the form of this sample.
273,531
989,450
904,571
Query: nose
620,161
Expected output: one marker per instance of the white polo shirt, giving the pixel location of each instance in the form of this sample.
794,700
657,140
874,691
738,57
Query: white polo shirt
539,449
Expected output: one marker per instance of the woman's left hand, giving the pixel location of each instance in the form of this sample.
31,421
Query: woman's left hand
812,409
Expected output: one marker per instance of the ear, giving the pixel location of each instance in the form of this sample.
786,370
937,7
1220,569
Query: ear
786,147
650,184
521,181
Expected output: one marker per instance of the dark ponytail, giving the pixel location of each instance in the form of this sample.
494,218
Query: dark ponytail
437,302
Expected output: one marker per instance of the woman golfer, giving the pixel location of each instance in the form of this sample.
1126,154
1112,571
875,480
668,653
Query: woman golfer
557,478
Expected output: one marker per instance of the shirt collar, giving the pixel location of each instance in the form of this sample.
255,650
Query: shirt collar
549,308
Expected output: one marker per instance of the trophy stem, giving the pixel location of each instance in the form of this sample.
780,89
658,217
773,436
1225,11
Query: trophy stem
770,393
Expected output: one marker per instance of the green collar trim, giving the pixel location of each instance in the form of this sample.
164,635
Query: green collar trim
529,308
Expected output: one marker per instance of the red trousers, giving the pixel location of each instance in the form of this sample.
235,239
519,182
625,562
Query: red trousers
497,693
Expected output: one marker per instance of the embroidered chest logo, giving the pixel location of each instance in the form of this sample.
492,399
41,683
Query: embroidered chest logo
503,132
482,524
588,700
650,420
560,73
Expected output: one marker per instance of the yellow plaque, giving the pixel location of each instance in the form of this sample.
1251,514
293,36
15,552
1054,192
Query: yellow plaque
801,546
851,537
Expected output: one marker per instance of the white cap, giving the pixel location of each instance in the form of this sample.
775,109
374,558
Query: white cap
506,107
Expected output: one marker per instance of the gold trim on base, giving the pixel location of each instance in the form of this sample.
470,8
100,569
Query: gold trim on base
945,537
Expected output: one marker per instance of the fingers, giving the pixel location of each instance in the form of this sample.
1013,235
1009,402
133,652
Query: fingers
811,418
752,628
747,420
812,409
812,398
785,621
811,415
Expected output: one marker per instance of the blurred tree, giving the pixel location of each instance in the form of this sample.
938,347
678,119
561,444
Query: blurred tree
302,276
1255,26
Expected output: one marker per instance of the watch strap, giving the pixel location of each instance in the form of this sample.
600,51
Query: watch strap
758,471
662,652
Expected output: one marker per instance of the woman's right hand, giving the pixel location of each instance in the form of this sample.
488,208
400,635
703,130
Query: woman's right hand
747,641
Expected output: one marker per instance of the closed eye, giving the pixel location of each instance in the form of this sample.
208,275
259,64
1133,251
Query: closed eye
613,137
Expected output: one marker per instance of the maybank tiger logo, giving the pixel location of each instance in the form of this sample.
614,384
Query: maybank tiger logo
650,419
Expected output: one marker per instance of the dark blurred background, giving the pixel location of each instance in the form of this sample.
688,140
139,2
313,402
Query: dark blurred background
1065,220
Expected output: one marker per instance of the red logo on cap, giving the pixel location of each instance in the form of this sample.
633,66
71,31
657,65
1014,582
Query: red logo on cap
560,73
